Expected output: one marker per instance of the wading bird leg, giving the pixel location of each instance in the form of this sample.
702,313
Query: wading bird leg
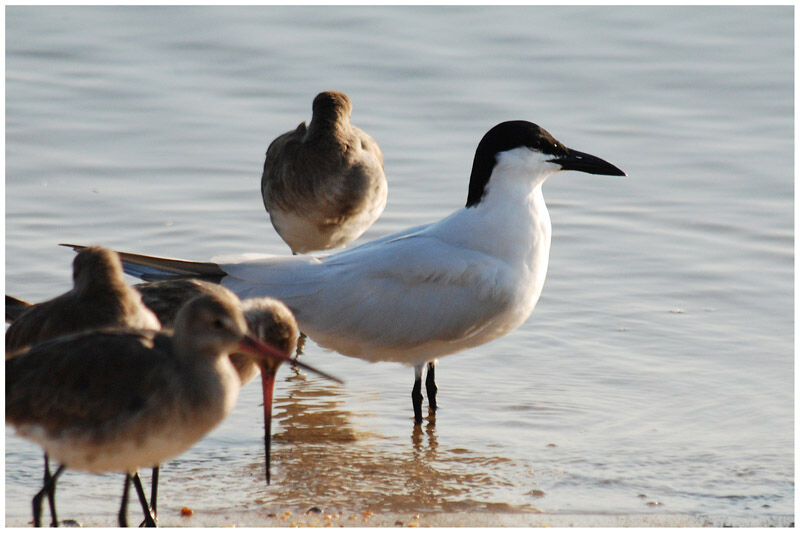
149,519
430,387
154,489
153,494
49,488
51,494
416,394
122,519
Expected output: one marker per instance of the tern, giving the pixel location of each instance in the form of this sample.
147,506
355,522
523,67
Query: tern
323,184
429,291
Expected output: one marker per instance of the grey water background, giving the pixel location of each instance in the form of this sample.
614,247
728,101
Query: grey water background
655,376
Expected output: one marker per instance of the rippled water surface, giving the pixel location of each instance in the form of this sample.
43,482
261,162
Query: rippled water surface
655,376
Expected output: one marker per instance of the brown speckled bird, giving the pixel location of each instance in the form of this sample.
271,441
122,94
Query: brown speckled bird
99,298
267,318
154,398
323,184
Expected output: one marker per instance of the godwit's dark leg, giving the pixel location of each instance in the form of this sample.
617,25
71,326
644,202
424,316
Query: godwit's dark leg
430,387
49,487
154,489
149,519
153,494
51,494
122,517
416,394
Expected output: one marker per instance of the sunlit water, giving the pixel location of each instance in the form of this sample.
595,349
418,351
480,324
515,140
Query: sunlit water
656,373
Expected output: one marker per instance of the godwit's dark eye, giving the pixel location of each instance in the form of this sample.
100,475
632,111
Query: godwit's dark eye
218,324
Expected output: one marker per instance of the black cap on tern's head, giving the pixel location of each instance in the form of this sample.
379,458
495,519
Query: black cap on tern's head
521,133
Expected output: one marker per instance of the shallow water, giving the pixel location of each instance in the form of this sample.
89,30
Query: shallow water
656,373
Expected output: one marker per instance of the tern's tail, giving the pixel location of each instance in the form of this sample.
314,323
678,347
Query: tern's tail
15,307
149,268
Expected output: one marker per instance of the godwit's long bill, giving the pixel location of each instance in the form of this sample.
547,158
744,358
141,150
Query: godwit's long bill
267,318
429,291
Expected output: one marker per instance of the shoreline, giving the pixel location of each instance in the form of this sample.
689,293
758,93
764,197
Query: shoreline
315,517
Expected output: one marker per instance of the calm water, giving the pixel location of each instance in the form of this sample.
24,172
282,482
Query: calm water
656,373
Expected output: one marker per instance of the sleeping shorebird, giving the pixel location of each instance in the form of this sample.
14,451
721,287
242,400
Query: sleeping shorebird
100,298
158,395
268,319
431,290
323,184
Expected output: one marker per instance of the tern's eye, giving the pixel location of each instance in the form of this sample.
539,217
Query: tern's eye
217,324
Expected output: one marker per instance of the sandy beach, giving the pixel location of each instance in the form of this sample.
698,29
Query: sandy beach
309,518
316,517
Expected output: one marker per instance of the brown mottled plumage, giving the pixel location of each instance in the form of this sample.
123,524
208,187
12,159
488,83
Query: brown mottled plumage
267,318
100,298
153,399
324,185
271,321
165,298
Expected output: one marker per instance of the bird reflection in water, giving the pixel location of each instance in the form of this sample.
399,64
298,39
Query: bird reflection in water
328,455
421,451
311,412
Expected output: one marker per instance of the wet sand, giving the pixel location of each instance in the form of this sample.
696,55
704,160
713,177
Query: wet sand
320,518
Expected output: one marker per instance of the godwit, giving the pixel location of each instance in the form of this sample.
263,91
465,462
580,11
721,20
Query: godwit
323,185
152,400
99,298
429,291
267,318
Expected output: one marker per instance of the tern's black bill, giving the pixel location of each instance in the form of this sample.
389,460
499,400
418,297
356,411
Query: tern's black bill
575,160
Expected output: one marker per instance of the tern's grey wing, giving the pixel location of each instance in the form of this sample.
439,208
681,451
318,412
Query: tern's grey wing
393,298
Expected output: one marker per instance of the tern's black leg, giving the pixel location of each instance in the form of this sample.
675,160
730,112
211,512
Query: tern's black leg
51,494
149,519
416,394
430,387
49,488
